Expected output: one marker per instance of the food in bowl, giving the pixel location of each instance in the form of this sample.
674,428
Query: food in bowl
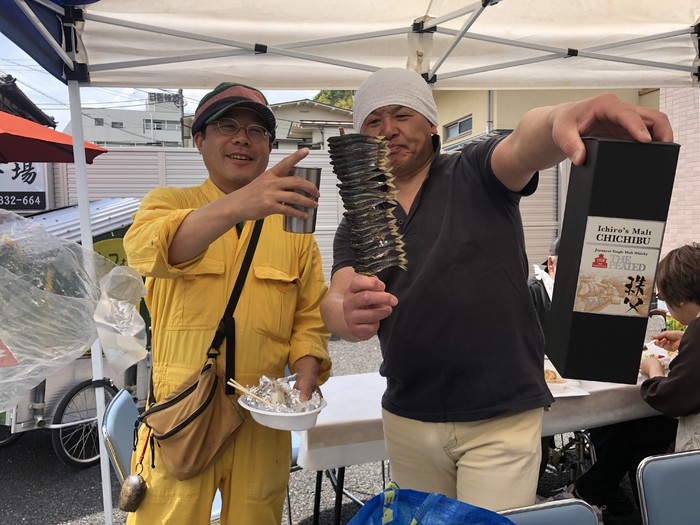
275,403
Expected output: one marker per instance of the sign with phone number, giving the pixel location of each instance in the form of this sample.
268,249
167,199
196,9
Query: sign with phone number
22,200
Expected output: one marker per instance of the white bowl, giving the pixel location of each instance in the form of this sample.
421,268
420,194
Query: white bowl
284,420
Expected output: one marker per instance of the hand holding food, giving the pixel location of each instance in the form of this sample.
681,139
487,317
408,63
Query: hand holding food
306,373
651,366
658,354
668,340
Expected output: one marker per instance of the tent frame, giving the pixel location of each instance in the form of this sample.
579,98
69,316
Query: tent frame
432,26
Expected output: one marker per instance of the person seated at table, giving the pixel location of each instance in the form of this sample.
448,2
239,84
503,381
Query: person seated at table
676,394
619,447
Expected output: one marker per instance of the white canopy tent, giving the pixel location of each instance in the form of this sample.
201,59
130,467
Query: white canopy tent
511,44
334,45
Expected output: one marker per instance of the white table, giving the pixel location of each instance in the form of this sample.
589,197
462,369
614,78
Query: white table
349,430
606,403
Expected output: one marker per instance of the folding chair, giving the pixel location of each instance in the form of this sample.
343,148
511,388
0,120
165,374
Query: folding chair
569,512
296,441
669,485
118,433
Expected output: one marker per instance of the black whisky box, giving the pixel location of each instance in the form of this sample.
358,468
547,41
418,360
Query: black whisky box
616,209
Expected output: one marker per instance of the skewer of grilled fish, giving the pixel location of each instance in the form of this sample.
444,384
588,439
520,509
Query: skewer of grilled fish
367,189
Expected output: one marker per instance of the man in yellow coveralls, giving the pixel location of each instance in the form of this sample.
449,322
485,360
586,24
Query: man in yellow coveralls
189,243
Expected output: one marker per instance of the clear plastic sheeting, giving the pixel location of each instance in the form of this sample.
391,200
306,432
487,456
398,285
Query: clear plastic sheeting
49,297
120,327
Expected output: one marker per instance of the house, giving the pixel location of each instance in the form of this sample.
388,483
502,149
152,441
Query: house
15,102
300,124
308,124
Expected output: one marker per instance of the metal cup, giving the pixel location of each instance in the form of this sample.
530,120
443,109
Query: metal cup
293,224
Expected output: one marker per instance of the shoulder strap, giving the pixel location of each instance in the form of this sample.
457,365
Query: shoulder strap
227,325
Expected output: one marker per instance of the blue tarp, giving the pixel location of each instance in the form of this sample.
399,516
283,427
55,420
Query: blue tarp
15,25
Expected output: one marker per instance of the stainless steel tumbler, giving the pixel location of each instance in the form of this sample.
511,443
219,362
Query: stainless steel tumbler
294,225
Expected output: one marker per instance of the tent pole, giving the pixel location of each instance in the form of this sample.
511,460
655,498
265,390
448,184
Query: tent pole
86,241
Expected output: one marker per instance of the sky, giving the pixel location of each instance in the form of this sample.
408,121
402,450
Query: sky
51,95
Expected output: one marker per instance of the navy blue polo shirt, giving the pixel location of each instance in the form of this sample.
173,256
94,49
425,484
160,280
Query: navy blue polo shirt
464,343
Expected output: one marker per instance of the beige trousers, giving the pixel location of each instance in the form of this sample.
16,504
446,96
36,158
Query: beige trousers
492,464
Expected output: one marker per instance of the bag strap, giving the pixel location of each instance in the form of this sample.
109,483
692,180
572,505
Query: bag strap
227,325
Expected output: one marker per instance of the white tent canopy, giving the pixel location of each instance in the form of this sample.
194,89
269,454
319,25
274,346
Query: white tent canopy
335,44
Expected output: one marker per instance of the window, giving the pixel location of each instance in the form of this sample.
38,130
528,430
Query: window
99,122
167,125
461,127
117,125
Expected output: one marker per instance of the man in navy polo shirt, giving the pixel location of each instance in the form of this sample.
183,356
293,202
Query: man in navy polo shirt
462,352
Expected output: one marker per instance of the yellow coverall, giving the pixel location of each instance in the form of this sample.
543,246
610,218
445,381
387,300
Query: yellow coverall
277,322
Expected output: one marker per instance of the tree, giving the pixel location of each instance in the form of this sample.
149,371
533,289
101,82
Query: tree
337,98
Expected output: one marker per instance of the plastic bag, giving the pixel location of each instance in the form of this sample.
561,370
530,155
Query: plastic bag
397,506
49,293
120,327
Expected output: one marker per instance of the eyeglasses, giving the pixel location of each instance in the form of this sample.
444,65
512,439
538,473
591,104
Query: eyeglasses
230,127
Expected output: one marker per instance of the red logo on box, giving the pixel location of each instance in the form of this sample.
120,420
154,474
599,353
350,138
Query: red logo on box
7,359
600,262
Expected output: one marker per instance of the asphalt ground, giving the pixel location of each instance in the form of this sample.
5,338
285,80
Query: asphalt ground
37,488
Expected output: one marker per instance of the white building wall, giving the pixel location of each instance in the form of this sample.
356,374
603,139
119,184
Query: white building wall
136,126
683,109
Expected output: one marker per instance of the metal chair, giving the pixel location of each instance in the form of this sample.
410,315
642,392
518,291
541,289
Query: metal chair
296,441
118,432
569,512
668,488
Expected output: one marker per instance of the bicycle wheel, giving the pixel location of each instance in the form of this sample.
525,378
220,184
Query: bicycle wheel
79,445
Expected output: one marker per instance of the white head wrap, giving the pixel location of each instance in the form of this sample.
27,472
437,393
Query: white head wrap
393,86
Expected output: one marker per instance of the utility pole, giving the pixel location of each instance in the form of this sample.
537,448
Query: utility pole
181,104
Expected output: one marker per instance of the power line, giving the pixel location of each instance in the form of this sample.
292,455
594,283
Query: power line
62,103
